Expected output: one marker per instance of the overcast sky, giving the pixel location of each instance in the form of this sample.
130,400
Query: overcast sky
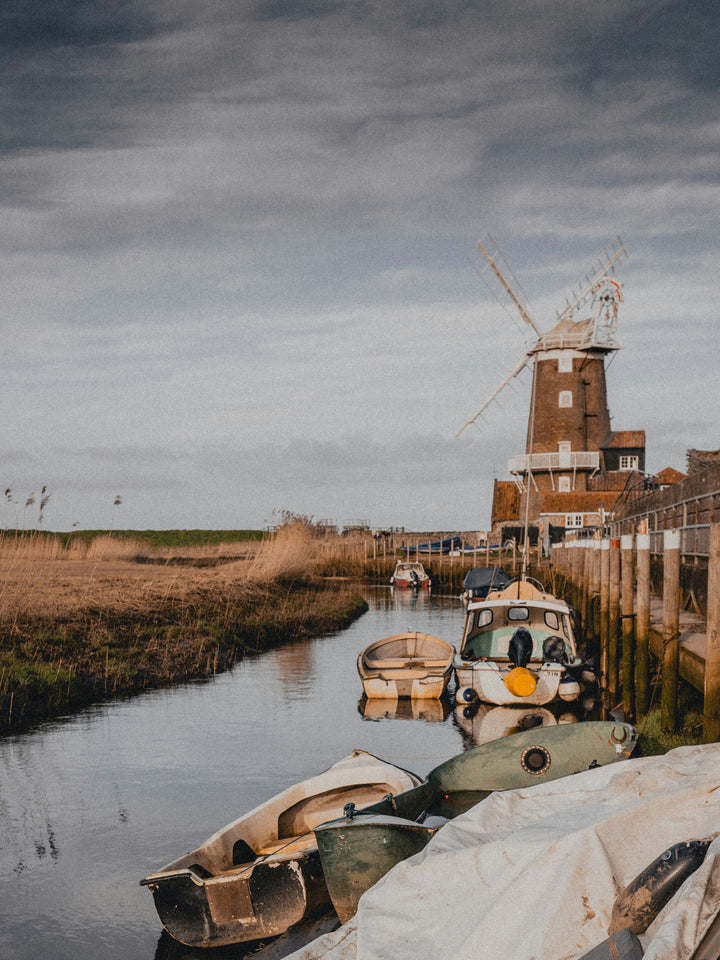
235,241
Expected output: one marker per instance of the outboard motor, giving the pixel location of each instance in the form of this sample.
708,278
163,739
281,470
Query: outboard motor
554,650
414,577
520,647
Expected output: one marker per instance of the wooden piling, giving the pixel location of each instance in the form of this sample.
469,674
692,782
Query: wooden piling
627,610
604,608
711,726
614,621
642,626
671,629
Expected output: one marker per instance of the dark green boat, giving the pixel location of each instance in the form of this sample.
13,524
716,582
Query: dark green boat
358,849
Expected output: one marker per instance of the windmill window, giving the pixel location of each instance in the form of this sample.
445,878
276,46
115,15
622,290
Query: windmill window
564,446
563,484
629,463
573,520
565,398
565,364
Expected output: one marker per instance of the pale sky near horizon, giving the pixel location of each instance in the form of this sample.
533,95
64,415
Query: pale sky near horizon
236,238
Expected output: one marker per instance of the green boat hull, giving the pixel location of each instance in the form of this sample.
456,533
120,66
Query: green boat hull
373,844
533,756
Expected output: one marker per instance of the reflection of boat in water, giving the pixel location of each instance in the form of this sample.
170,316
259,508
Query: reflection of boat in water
482,722
410,573
409,598
409,664
519,646
359,848
430,710
261,874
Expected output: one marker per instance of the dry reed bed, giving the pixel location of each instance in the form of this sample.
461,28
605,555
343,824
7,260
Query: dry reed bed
80,625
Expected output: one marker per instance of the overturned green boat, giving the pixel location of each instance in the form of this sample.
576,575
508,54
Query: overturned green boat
359,848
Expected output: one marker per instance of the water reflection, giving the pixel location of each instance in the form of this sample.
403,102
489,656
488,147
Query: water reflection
429,710
481,722
274,949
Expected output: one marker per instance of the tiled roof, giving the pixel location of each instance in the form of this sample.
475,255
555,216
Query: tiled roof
670,475
626,438
580,501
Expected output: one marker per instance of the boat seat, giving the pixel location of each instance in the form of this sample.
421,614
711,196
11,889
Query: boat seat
290,845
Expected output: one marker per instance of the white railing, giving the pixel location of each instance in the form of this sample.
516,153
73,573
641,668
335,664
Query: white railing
579,460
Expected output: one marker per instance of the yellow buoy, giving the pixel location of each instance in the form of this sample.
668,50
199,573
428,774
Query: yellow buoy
521,682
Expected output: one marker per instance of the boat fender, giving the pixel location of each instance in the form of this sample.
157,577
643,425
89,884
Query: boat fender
568,689
520,682
520,647
641,901
467,695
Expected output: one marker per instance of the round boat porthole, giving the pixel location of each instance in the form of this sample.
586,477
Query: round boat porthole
535,760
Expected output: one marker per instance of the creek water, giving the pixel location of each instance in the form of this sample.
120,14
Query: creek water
91,803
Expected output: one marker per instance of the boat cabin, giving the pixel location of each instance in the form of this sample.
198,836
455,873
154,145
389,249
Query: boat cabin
490,625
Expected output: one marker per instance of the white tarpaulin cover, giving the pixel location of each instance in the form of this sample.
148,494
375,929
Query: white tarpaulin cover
532,874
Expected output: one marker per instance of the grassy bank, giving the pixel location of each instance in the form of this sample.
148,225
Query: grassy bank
108,617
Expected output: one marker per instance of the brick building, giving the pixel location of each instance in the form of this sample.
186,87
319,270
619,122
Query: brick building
575,467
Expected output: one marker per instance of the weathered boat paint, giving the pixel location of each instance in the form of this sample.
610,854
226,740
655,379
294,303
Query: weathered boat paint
261,874
641,901
358,850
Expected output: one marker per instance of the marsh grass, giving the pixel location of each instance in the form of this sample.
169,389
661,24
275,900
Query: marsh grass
82,620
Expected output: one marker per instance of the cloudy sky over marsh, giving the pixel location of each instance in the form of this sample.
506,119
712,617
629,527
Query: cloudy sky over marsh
235,240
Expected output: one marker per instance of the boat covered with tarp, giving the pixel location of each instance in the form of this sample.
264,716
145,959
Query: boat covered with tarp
479,581
538,872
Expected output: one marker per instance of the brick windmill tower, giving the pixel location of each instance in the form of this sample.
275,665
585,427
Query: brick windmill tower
571,453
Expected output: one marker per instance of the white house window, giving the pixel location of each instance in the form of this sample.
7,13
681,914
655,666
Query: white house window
629,463
564,484
565,398
573,520
565,364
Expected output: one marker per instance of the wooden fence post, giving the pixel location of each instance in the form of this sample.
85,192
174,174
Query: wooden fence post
614,619
711,727
642,626
627,610
671,629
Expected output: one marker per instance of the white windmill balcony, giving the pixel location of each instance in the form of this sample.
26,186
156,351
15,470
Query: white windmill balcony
537,462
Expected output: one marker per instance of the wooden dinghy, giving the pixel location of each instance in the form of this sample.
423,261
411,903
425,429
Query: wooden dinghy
416,665
356,850
261,874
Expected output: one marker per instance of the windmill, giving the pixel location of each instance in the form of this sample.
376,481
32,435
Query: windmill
598,333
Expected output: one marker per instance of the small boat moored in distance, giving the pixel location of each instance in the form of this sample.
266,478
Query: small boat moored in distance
519,646
410,573
411,664
261,874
